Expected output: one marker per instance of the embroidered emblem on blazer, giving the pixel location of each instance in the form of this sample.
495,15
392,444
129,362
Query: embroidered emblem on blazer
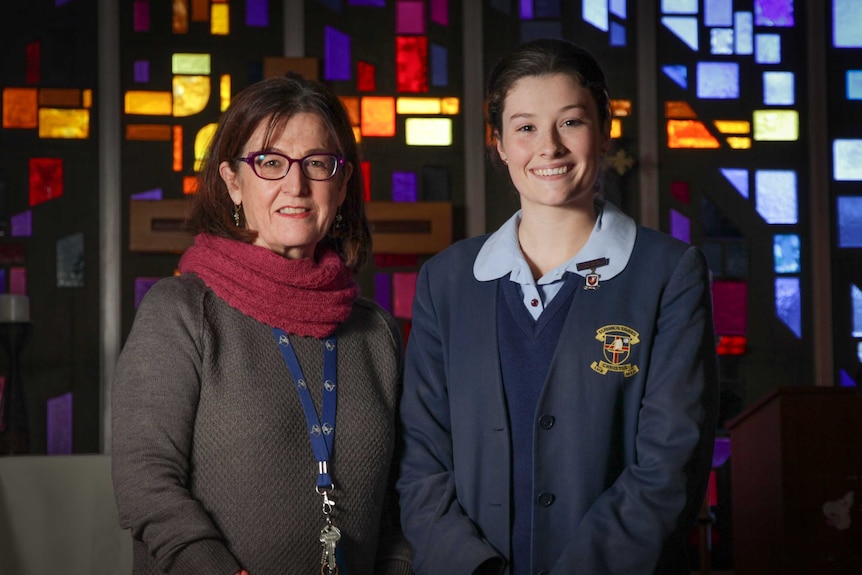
617,342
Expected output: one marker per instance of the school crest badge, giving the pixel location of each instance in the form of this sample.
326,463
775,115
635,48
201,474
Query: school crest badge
617,342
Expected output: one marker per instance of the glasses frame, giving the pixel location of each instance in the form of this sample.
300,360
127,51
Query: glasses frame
249,159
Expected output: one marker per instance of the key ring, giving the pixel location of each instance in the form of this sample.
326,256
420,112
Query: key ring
328,503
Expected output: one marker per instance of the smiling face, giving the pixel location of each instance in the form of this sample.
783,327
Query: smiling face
552,141
293,214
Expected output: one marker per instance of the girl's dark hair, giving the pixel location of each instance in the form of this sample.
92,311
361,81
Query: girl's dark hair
274,101
543,58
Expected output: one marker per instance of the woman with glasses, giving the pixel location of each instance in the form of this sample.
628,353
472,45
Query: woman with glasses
254,403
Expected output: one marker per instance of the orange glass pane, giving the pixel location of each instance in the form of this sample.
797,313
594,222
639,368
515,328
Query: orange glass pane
357,134
200,10
224,92
621,108
20,107
676,109
180,19
60,98
351,104
378,116
733,126
450,106
689,134
191,94
616,128
149,132
149,103
202,143
87,98
411,62
190,184
178,149
739,143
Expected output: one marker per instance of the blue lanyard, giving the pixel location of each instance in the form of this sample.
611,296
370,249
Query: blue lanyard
322,429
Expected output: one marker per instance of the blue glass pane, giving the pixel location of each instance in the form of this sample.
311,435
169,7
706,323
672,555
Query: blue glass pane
844,379
719,80
847,160
533,30
439,65
721,41
778,89
336,65
774,12
858,348
678,74
684,28
595,12
680,226
526,9
257,13
547,9
618,34
785,249
618,8
679,6
403,186
718,12
856,298
767,49
846,16
854,84
744,26
776,196
849,221
788,303
142,71
738,178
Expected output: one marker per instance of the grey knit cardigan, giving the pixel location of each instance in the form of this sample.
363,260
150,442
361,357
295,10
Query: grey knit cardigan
211,461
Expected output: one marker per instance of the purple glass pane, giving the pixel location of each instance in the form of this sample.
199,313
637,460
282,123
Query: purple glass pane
721,453
257,13
142,16
155,194
403,186
440,12
383,291
22,224
680,226
845,380
374,3
142,71
337,64
61,2
410,18
526,9
773,13
2,280
59,424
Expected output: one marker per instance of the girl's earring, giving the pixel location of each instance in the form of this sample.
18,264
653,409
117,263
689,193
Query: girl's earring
236,214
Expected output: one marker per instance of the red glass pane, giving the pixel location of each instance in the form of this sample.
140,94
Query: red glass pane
412,63
366,80
46,179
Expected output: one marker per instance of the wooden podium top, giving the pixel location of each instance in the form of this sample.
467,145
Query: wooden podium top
795,391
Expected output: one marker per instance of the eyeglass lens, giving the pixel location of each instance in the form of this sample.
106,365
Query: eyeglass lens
273,166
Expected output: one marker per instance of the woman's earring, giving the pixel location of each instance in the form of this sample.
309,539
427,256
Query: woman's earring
339,219
236,214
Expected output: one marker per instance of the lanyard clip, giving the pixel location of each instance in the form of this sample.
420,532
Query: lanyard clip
328,503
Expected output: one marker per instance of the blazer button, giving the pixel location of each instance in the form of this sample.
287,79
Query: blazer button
546,499
546,421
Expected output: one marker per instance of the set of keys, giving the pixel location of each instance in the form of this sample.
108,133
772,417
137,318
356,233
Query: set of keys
329,537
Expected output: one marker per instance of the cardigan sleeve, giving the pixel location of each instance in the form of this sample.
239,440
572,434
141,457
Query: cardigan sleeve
636,526
154,402
444,539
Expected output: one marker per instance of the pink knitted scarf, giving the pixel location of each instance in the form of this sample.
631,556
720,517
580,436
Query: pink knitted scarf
301,297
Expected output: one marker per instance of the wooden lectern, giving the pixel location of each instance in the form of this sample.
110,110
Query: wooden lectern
797,454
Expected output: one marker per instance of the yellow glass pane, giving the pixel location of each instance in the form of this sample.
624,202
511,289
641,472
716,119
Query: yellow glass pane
87,97
149,132
738,143
378,116
733,126
178,149
149,103
180,16
450,106
60,98
357,134
191,95
224,92
202,142
220,20
678,109
616,128
20,107
776,125
417,105
428,131
64,123
192,64
190,184
621,108
689,134
351,104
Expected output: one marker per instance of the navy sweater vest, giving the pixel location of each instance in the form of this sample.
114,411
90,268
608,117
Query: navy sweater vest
526,349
